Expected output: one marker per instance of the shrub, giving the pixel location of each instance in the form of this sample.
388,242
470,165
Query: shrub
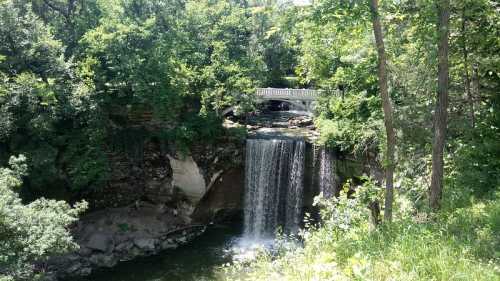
30,233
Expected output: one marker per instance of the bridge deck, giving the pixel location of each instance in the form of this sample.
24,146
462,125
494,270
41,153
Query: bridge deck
288,94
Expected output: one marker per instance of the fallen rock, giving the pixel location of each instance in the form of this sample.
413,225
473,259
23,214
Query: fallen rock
182,239
167,245
301,121
100,241
74,268
103,260
84,251
124,247
146,244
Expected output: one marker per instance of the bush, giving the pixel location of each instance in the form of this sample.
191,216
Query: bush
30,233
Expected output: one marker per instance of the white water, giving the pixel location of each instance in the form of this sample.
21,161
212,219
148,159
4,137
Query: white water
326,175
274,178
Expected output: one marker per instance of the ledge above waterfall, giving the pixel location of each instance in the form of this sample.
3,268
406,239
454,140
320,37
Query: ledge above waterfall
278,124
284,133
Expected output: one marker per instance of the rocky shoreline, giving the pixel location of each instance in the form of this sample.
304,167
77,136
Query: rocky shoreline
111,236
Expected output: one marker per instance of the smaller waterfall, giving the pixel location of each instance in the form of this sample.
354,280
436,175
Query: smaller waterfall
273,186
326,174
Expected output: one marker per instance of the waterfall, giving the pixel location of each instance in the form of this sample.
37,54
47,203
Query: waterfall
326,175
274,176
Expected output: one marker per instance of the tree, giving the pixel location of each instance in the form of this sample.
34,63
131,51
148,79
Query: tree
70,19
46,106
30,233
228,69
441,111
353,73
387,107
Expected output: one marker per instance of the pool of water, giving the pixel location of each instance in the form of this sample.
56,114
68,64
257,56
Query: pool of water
196,261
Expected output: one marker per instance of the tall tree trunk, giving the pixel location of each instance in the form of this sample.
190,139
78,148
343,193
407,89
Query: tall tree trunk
387,107
374,208
467,83
475,83
440,114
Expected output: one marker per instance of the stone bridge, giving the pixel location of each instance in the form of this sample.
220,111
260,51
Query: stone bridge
287,94
302,99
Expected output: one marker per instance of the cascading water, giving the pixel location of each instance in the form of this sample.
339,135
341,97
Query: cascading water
326,175
273,186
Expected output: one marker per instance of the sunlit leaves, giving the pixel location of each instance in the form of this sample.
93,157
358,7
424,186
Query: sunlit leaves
32,232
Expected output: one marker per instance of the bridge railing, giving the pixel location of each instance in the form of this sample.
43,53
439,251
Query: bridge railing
302,94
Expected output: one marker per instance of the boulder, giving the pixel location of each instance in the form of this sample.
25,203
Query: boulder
145,244
168,245
74,268
85,271
100,242
182,239
84,251
301,121
103,260
124,247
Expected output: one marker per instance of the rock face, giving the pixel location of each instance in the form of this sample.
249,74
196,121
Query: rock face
187,177
223,201
159,175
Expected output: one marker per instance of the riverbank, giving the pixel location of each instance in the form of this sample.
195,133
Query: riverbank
199,260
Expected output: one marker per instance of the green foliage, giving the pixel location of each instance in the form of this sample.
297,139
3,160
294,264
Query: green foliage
182,61
476,163
337,54
238,133
44,101
30,233
353,123
338,59
79,78
231,69
341,213
87,165
277,39
198,127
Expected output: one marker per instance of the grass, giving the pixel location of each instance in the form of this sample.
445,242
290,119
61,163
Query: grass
462,243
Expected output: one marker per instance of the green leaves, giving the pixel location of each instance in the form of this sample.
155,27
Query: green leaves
228,71
33,232
43,98
353,123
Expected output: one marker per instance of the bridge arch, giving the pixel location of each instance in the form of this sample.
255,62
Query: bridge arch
304,99
301,105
